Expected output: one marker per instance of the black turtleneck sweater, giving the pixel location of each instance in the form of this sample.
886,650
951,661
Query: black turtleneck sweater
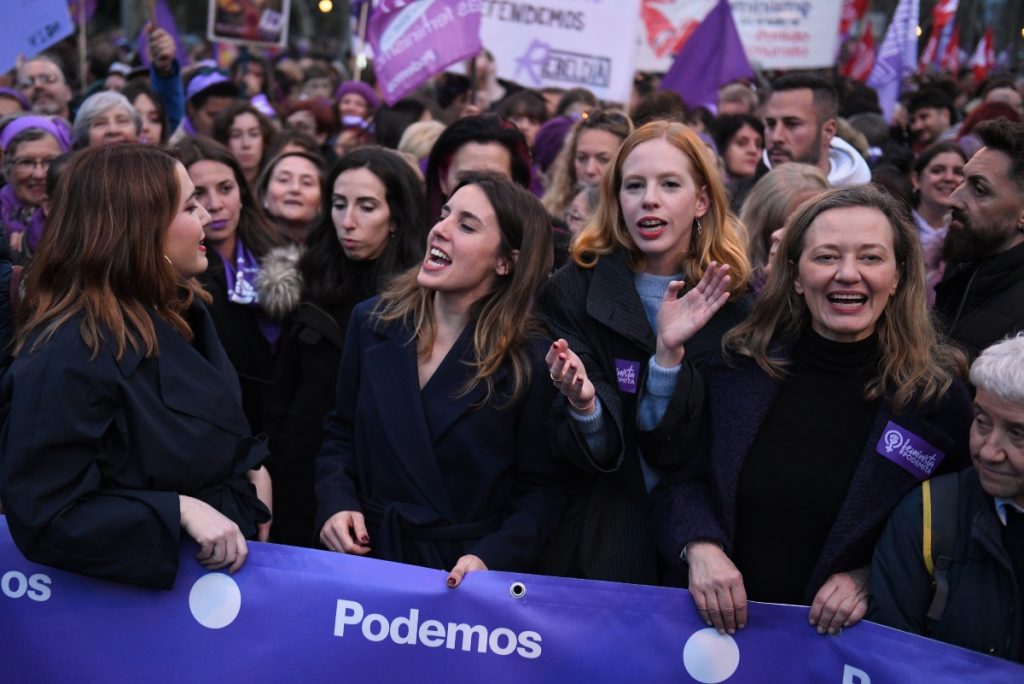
794,480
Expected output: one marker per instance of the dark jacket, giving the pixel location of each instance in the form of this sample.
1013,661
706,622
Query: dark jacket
700,502
238,327
983,301
435,476
97,450
606,533
983,607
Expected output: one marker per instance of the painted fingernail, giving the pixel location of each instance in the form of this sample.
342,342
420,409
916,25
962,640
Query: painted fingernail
451,581
364,539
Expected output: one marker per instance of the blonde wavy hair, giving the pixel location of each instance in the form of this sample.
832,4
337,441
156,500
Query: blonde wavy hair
721,237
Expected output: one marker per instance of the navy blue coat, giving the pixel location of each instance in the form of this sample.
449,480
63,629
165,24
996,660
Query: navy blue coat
95,451
436,477
700,502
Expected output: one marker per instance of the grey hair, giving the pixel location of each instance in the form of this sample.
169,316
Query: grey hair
97,104
998,370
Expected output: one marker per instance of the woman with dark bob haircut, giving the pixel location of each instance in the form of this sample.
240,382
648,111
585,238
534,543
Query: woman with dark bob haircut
836,399
143,438
449,362
373,227
238,237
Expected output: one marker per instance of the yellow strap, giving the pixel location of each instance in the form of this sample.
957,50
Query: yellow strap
926,535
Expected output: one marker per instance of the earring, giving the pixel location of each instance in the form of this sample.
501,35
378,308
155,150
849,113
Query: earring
697,221
168,259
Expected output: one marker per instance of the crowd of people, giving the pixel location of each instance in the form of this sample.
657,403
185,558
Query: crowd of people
763,352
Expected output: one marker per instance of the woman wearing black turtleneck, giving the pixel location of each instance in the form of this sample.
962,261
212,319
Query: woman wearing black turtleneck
836,399
373,227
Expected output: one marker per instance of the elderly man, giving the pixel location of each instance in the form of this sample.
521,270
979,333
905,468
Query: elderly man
42,82
800,126
965,530
981,295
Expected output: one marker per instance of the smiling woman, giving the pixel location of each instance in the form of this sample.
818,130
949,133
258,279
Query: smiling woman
104,118
143,437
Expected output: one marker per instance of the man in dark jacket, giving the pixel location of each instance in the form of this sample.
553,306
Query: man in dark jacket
983,510
981,296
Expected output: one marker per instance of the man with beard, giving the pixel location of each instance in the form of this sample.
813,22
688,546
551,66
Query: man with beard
800,126
982,293
41,80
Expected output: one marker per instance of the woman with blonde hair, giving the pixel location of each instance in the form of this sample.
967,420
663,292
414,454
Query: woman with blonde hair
141,438
588,150
640,310
838,398
435,454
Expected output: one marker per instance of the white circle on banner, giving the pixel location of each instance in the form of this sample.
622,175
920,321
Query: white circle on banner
215,600
710,657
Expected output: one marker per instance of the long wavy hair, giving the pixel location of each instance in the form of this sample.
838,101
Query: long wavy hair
916,366
721,237
504,318
327,274
254,229
102,255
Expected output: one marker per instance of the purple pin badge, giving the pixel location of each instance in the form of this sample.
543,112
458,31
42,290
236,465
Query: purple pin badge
908,451
627,374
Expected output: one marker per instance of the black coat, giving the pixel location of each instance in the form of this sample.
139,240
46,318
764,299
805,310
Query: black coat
97,450
700,502
607,531
435,476
982,302
238,327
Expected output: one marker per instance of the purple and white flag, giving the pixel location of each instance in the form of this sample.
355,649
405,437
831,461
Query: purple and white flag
413,41
897,58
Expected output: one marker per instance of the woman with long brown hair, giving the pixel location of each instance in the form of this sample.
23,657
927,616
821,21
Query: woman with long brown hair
124,424
631,343
435,454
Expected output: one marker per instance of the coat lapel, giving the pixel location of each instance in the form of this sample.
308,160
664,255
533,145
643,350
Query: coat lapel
612,300
393,385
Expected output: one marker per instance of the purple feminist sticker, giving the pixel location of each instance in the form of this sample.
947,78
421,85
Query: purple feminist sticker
627,374
908,451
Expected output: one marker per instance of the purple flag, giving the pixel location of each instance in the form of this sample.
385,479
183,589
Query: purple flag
712,57
90,9
897,58
414,41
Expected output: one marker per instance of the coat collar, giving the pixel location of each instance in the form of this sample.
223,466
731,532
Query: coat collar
612,300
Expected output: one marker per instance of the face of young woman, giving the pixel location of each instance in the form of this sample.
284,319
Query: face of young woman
847,272
112,126
362,218
463,260
293,193
659,201
218,192
595,150
743,152
152,127
353,104
183,239
245,140
939,179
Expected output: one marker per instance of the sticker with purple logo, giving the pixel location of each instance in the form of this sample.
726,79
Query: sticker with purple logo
908,451
627,374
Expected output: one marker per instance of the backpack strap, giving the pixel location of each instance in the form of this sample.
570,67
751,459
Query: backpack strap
940,502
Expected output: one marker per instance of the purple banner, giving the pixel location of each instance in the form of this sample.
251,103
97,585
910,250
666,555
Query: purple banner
413,41
298,615
908,451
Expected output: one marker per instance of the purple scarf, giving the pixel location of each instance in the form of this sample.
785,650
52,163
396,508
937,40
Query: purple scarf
241,285
21,218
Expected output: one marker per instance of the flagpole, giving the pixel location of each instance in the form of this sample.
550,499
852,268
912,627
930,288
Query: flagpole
83,67
364,13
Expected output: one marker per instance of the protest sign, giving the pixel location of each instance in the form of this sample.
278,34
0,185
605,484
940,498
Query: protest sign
776,34
262,24
31,26
413,41
302,615
564,43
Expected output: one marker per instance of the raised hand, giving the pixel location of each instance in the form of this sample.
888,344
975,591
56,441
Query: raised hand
680,318
570,377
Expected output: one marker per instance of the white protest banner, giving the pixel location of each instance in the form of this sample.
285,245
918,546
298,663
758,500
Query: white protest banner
564,43
31,26
776,34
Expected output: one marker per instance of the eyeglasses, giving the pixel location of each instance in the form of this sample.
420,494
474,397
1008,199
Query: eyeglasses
44,79
26,165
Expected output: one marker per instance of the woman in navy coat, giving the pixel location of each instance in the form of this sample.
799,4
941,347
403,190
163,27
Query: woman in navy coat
123,421
435,454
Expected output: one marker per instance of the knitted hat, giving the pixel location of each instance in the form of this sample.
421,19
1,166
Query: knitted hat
364,90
